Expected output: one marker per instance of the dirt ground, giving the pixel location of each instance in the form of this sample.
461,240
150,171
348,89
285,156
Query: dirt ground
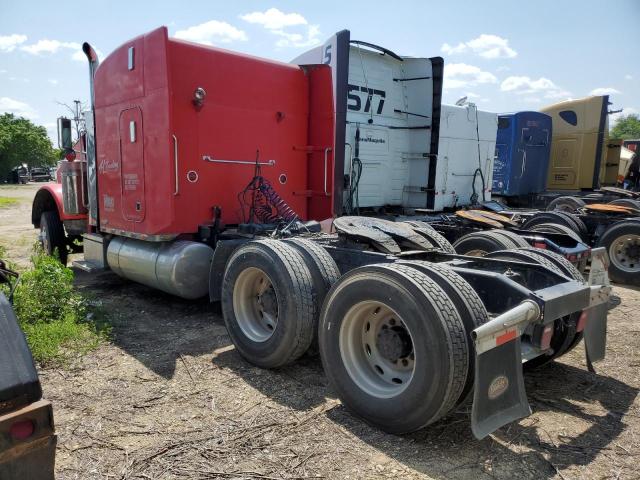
170,398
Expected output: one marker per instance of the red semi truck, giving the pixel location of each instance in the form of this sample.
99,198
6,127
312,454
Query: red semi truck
210,172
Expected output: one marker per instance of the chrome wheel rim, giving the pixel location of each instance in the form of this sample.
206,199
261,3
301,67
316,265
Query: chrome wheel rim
624,253
255,304
377,349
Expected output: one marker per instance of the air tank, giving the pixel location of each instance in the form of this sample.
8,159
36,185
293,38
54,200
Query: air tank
180,267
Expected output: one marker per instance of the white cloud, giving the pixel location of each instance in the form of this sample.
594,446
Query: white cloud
524,85
461,75
52,81
17,107
628,77
298,40
487,46
212,32
503,68
8,43
277,21
604,91
49,46
274,19
614,117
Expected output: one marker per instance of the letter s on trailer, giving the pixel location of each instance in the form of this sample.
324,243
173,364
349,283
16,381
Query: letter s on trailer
212,171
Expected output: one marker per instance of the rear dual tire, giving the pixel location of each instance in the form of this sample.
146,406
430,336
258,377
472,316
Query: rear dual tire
483,242
394,346
271,297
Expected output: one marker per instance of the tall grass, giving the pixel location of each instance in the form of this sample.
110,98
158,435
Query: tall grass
53,315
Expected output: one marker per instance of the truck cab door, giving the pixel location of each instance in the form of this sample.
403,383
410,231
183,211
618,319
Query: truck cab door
132,164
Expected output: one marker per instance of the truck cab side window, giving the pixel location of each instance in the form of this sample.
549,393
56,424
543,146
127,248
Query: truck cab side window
569,116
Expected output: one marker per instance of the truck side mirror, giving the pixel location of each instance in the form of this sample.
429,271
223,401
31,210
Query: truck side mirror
65,141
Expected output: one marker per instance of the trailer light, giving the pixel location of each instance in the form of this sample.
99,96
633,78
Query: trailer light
199,95
581,322
22,430
545,340
70,156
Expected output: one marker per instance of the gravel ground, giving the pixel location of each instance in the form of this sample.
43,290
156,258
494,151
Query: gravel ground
169,397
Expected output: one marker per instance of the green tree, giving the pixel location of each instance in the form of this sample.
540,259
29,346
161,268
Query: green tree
626,128
23,142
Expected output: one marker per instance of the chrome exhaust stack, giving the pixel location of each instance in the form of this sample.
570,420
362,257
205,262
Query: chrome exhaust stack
89,118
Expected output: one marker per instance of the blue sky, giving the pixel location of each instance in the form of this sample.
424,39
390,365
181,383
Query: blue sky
504,55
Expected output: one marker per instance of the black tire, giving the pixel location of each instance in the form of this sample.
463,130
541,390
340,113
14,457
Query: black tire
565,335
324,273
52,236
438,342
624,254
482,242
560,218
567,268
290,282
565,204
469,305
627,202
556,228
430,233
516,239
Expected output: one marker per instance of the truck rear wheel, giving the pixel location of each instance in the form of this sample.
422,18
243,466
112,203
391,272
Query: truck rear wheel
52,236
393,347
556,228
430,233
469,305
561,218
565,204
324,273
268,303
622,241
478,244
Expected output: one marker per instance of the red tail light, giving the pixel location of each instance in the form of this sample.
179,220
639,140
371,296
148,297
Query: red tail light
547,333
22,430
540,245
70,156
581,322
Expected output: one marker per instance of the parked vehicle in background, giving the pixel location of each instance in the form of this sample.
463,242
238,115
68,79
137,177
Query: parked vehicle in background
27,435
18,175
40,174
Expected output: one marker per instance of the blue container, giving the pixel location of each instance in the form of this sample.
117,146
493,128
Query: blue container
523,147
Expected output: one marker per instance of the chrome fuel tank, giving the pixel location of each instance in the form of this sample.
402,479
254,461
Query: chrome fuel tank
180,268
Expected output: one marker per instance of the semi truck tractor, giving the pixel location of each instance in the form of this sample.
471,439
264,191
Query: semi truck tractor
214,173
578,189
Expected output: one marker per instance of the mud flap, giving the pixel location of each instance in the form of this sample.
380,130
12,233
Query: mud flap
499,395
595,322
595,334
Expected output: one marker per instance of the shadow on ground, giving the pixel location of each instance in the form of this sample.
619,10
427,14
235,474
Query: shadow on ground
154,327
157,328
